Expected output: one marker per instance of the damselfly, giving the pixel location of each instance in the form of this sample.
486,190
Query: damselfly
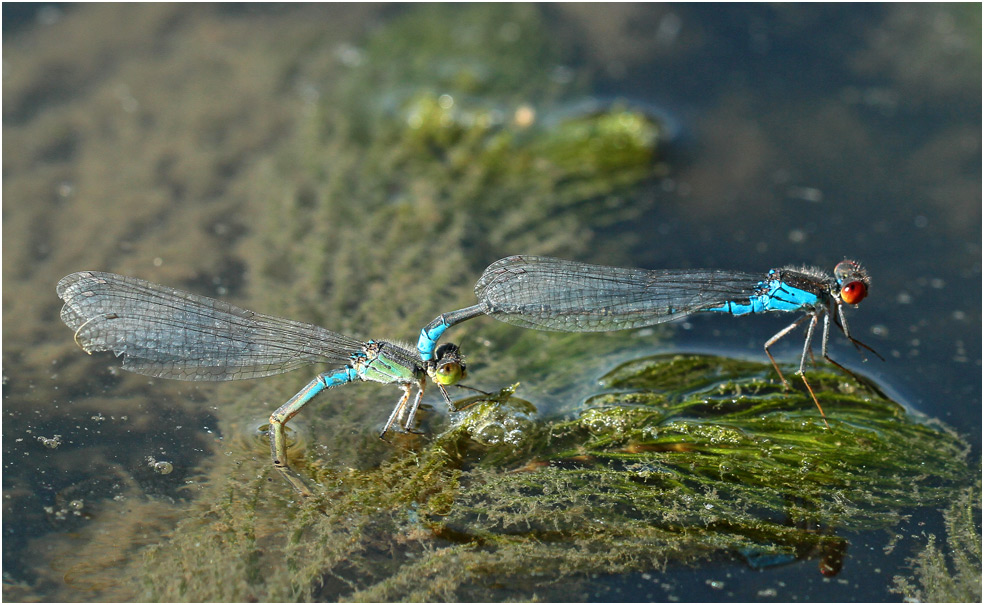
166,333
555,294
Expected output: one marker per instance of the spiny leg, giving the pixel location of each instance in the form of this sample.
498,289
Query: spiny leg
841,321
465,386
453,407
778,335
807,349
397,410
412,412
446,396
843,327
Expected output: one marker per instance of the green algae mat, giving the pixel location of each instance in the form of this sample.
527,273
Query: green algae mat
678,459
434,150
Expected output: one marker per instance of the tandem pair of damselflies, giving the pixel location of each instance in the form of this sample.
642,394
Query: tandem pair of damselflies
168,333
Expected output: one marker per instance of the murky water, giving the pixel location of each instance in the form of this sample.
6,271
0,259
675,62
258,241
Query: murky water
257,155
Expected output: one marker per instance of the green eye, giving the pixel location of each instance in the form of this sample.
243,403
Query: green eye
448,373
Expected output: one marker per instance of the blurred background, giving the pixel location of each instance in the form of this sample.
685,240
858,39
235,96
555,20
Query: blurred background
357,166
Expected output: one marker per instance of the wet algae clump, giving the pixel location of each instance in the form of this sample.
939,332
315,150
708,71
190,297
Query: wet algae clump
688,458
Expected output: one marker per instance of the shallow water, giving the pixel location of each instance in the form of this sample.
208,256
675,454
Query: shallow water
179,144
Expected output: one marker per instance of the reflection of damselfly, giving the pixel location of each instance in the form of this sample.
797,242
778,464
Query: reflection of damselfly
167,333
555,294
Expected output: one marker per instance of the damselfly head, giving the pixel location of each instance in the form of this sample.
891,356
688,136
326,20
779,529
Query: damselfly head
450,365
852,280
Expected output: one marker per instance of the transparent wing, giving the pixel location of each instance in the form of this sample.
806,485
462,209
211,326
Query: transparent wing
557,294
168,333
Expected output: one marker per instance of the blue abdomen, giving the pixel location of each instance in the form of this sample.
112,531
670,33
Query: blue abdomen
775,295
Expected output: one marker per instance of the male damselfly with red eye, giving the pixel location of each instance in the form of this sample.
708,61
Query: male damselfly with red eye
555,294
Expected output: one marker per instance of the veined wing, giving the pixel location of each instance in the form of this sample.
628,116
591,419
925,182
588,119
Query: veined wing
164,332
557,294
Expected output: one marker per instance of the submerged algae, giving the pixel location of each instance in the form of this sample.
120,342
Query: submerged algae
405,178
952,574
657,473
395,190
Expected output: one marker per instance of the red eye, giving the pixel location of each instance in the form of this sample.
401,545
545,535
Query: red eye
854,292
